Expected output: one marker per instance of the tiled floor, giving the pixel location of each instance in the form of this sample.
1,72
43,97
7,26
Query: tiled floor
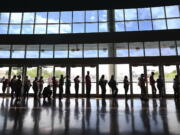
93,116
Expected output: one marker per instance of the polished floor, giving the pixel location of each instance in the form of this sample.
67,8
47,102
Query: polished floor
93,116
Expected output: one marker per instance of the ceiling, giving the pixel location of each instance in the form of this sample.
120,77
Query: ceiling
27,5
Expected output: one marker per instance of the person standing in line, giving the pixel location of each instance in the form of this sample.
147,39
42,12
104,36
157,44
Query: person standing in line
142,84
4,85
18,86
88,84
176,86
54,84
102,83
152,83
35,87
41,82
13,86
76,81
113,85
160,86
61,84
27,85
68,85
126,85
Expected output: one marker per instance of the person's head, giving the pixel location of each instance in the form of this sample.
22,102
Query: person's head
88,72
53,77
49,86
152,73
41,77
142,75
19,77
176,76
26,77
102,77
77,76
112,76
67,76
160,76
36,78
14,76
62,76
125,77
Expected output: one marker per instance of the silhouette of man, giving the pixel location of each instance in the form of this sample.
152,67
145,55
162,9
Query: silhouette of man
160,86
113,85
126,85
27,85
41,82
61,84
35,87
76,81
68,85
54,83
88,84
13,86
152,83
18,85
102,83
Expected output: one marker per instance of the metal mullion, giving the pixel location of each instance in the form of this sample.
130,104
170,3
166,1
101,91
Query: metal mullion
137,19
59,22
165,17
151,19
72,17
128,49
176,48
124,19
39,51
11,48
46,22
144,49
9,22
21,23
53,51
159,48
98,49
34,23
25,49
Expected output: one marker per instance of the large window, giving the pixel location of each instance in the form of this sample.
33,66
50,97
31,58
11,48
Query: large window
5,51
151,48
18,51
136,49
32,51
46,51
168,48
90,50
121,49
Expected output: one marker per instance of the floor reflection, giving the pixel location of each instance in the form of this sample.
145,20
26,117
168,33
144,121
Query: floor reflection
81,116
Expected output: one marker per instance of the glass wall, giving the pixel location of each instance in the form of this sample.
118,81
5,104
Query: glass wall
95,50
31,73
4,71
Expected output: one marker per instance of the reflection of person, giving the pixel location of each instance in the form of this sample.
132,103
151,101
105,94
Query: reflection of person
12,85
160,86
88,84
112,84
61,84
126,85
152,83
41,82
102,83
76,81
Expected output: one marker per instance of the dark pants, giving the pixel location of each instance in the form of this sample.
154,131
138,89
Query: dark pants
40,90
153,90
4,89
18,93
126,88
176,93
114,91
76,89
103,88
68,91
35,92
88,90
26,91
12,91
60,91
143,92
161,91
54,91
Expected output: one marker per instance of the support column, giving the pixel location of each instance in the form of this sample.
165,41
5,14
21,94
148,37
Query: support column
23,78
146,78
97,79
9,78
83,82
161,72
130,79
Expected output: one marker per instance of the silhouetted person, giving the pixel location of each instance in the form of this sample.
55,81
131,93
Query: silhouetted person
102,83
160,86
61,84
176,86
113,85
18,86
88,84
126,85
142,85
41,82
27,85
13,86
47,92
5,85
54,85
35,87
152,83
76,82
68,85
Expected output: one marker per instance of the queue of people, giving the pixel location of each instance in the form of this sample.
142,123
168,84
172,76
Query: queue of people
19,88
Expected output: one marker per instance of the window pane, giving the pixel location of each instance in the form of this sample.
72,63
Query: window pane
14,29
131,26
78,28
41,17
159,24
102,15
28,18
158,12
5,51
91,16
119,15
105,50
53,17
120,26
75,51
53,29
78,16
32,51
144,13
121,49
145,25
61,51
16,17
173,23
178,47
3,29
90,50
168,48
65,28
130,14
172,11
103,27
151,48
18,51
27,29
91,27
136,49
46,51
4,17
40,29
66,17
